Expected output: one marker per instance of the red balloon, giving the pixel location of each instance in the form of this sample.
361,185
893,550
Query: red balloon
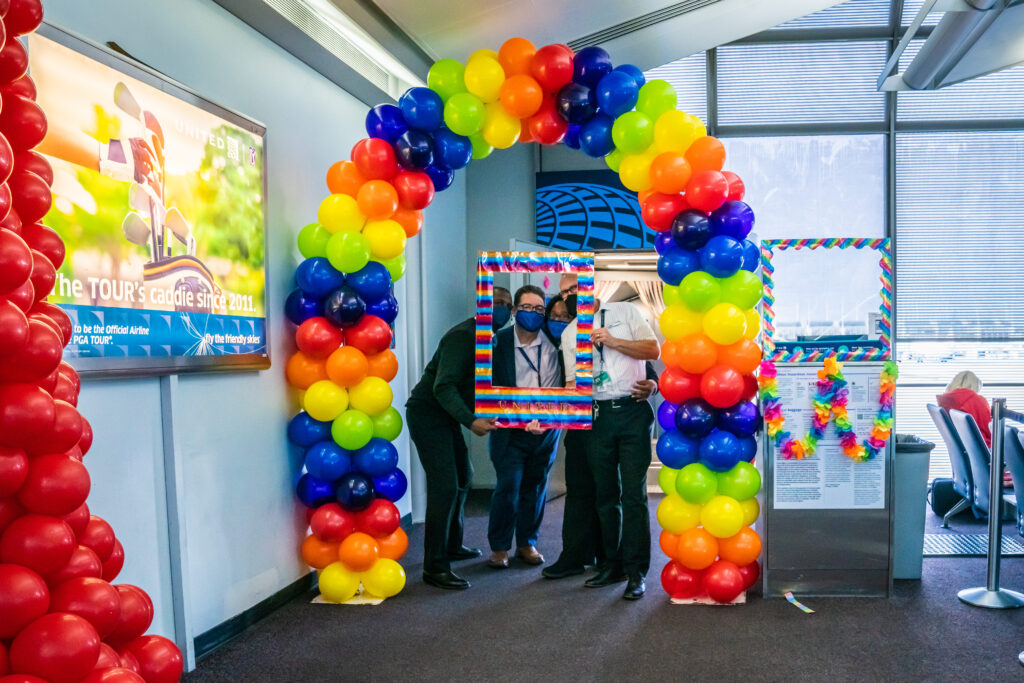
7,159
678,385
551,67
12,221
72,374
159,659
22,678
10,510
43,275
26,411
46,241
93,599
681,583
24,297
56,485
59,647
24,598
375,159
116,674
23,87
57,315
23,16
13,61
128,660
99,536
371,335
721,386
35,162
37,359
40,542
83,563
736,187
78,518
49,383
659,210
15,261
85,443
13,328
32,197
331,523
65,434
23,122
135,616
5,661
13,470
749,388
707,190
6,200
750,573
547,126
723,581
415,189
108,659
380,520
113,564
318,338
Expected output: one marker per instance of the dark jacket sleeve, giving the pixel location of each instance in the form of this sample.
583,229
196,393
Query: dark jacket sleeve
455,363
652,374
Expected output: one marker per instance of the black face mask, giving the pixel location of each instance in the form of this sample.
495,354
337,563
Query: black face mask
570,303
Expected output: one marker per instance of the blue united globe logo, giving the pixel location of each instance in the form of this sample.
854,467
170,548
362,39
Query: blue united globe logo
590,216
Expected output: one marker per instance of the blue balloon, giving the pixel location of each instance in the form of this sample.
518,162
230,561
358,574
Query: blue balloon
748,448
734,218
722,256
376,458
590,65
355,492
414,150
327,461
451,150
675,264
299,307
617,93
663,241
392,486
313,492
691,229
573,103
386,309
344,307
385,121
741,419
304,431
572,136
634,72
695,418
422,108
317,277
441,177
596,136
372,282
751,256
720,451
677,451
667,415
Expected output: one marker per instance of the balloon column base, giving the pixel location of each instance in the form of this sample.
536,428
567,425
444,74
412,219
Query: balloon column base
740,599
359,598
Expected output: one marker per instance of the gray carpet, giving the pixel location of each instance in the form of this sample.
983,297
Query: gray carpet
514,625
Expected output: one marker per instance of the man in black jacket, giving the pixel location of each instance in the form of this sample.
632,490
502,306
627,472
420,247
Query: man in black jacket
437,409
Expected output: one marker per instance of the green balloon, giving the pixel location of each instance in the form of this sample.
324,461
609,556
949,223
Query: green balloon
667,479
313,240
464,113
696,484
613,159
388,425
446,78
633,132
352,430
700,291
671,295
742,482
481,148
656,98
742,289
348,251
395,266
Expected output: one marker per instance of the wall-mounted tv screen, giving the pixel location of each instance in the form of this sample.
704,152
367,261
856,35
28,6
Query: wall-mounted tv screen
159,195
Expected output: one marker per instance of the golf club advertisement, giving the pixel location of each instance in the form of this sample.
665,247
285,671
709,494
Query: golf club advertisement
160,203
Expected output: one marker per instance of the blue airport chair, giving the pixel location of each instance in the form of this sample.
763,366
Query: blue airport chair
1015,463
963,483
978,456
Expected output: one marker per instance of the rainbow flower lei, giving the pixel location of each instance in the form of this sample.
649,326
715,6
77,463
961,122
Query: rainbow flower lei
830,399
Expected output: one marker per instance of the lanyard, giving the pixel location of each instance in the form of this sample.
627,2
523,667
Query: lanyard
535,368
600,347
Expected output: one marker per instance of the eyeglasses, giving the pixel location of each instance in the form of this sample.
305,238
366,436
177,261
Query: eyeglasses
569,290
528,307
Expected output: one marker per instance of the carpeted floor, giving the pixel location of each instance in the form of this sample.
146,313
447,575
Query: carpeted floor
514,625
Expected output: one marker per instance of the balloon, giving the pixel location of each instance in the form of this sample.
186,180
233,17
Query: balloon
93,599
662,242
44,240
697,549
414,191
327,461
313,240
720,451
442,178
374,159
380,519
358,551
316,552
317,278
590,65
722,256
13,470
135,617
574,103
14,329
57,647
696,353
751,256
325,400
411,222
317,337
633,132
370,335
159,659
481,149
552,67
614,160
672,298
387,425
667,412
741,419
82,563
352,430
56,485
451,150
547,126
299,307
313,492
26,411
707,190
421,108
736,187
331,523
674,131
725,324
700,292
338,583
304,431
376,459
30,194
377,199
695,418
500,129
677,451
742,288
24,598
24,296
696,484
383,365
667,480
13,61
347,366
344,177
742,482
414,150
384,579
354,492
656,98
392,486
659,210
681,583
22,122
734,219
372,282
750,573
723,581
9,511
635,170
751,510
675,515
721,386
464,113
706,154
445,77
385,238
40,542
23,16
617,93
484,77
753,321
385,121
675,264
342,309
691,229
722,517
596,135
670,173
634,72
112,565
99,536
678,386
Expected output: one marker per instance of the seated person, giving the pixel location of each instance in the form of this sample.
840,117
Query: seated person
962,394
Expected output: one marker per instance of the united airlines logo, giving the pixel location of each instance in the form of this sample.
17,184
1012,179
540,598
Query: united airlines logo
584,216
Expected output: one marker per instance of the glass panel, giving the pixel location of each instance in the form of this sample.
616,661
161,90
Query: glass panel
910,10
689,77
845,15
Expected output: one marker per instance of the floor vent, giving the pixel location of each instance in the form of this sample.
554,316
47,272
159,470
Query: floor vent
967,545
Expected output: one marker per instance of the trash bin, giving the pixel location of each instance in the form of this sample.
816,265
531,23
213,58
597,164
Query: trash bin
910,494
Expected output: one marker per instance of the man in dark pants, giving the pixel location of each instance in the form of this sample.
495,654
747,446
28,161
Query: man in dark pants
437,409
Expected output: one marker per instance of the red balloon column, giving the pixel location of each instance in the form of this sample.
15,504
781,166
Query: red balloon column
61,619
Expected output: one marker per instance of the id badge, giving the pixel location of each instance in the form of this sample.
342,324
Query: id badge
602,380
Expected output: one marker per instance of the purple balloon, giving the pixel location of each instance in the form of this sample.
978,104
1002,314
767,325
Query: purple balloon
695,418
741,419
691,229
734,219
667,415
313,492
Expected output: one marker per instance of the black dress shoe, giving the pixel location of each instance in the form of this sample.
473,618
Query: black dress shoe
464,553
447,580
635,588
605,577
561,570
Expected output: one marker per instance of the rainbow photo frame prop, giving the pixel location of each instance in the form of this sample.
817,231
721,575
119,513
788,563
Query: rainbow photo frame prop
553,408
851,351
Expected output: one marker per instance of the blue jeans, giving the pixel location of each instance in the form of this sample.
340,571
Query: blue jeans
517,506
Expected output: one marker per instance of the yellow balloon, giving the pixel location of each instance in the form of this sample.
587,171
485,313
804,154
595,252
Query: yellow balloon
484,77
675,131
613,160
751,511
386,238
678,321
702,130
501,129
722,517
483,52
338,583
725,324
675,515
667,479
324,400
635,171
340,212
753,323
372,396
384,579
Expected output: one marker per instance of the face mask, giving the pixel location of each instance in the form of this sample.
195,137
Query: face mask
500,316
556,328
529,320
570,303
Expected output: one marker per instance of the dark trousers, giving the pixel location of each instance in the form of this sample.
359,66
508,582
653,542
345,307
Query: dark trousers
581,539
522,463
445,458
619,460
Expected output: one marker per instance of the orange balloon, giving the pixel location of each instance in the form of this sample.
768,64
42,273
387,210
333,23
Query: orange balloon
744,356
669,543
670,172
383,365
394,546
377,199
411,221
706,154
358,551
697,548
302,370
642,196
521,96
515,55
670,354
317,553
696,353
524,133
344,178
346,366
741,549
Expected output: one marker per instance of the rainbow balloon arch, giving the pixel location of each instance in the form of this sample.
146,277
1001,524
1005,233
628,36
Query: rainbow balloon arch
344,304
